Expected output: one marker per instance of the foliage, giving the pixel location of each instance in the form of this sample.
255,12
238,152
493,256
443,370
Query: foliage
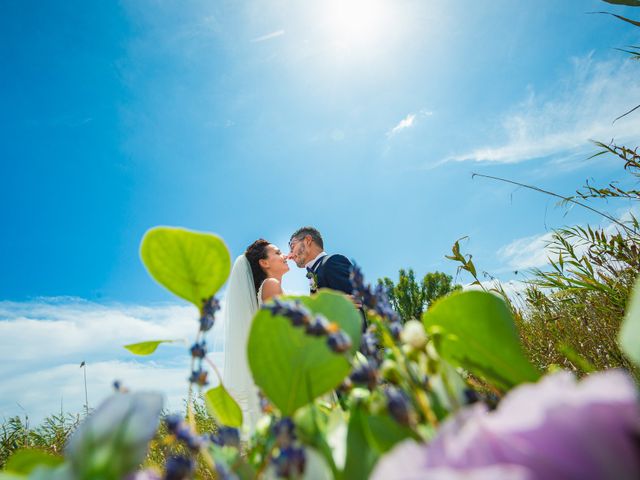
277,346
570,314
475,330
402,382
192,265
410,298
49,436
630,329
335,402
163,446
578,305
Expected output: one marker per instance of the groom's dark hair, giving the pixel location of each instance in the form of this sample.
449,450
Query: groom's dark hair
304,231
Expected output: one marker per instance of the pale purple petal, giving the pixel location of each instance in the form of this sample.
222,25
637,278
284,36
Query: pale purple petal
557,428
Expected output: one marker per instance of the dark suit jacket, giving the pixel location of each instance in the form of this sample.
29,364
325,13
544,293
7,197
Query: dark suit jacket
334,272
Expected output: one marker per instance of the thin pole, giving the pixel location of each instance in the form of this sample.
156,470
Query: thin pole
86,396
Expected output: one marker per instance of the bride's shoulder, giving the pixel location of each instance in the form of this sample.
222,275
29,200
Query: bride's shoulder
270,283
271,287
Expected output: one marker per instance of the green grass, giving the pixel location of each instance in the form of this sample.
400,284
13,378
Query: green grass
52,434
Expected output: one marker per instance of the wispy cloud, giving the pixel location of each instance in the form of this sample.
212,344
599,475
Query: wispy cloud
512,288
268,36
408,122
527,252
46,339
533,252
562,121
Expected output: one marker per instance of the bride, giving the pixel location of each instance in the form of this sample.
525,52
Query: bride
256,277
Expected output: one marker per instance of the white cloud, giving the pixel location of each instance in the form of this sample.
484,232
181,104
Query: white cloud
408,122
528,252
512,288
532,252
268,36
44,341
579,108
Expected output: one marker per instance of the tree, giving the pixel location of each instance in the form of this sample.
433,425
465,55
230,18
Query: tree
411,298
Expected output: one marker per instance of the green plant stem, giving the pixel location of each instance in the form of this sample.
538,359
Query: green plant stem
547,192
215,369
422,400
449,389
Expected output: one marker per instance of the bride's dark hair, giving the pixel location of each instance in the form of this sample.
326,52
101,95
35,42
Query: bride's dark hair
255,252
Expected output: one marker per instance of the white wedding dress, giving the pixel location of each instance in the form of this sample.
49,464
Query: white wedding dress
241,305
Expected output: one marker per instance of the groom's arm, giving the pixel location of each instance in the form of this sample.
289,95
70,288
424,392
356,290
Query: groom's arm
338,277
337,274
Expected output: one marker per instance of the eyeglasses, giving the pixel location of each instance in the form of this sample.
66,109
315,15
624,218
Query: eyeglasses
293,242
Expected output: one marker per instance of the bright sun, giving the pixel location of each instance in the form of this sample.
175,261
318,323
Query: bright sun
357,24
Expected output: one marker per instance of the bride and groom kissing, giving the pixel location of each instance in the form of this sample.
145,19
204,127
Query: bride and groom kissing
255,278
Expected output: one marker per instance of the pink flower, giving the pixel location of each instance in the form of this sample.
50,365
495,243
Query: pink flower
555,429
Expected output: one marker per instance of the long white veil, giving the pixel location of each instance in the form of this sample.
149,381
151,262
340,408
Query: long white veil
241,304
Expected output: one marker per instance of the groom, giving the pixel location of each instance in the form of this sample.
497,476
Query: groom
323,270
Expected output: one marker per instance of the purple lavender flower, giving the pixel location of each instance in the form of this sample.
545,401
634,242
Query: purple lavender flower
228,436
178,468
399,406
294,311
199,350
290,462
199,376
555,429
284,431
365,374
339,342
318,327
208,317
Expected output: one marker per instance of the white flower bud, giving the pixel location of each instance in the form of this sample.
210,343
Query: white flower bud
263,425
413,334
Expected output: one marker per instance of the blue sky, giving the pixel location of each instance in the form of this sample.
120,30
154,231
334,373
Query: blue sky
252,118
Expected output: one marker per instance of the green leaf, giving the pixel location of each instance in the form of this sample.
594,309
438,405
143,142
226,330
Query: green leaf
223,407
12,476
145,348
293,368
475,330
26,459
631,3
193,265
383,433
311,427
337,308
624,19
361,458
629,336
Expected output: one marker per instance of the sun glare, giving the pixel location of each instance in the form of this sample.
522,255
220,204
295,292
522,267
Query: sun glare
357,24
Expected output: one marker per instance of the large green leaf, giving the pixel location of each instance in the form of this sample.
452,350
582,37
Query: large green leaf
12,476
223,407
145,348
361,458
629,337
337,308
193,265
26,459
293,368
383,433
475,330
